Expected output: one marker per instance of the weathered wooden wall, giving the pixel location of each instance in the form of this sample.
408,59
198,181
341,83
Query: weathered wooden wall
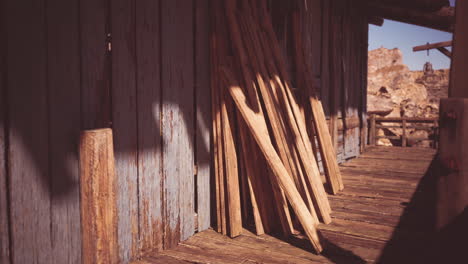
336,36
140,67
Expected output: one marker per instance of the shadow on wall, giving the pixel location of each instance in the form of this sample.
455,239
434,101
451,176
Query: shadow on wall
417,239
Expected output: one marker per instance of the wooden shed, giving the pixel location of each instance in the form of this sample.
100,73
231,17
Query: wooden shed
142,68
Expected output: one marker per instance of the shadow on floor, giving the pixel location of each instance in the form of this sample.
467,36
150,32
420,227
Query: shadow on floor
416,238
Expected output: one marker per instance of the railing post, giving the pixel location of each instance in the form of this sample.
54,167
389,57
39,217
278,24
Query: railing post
98,197
403,134
372,133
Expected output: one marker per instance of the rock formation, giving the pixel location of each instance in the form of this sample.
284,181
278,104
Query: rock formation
395,91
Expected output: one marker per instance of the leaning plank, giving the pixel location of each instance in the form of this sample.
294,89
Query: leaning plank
296,119
98,197
28,153
257,126
148,87
232,171
63,68
327,150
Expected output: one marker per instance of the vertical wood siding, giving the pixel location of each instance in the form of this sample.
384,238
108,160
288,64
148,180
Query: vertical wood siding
82,64
178,115
124,124
203,112
29,172
149,124
63,80
4,226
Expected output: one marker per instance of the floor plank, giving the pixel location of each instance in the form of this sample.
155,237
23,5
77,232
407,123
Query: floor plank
377,210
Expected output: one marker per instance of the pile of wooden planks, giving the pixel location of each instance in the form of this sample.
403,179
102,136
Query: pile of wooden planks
264,159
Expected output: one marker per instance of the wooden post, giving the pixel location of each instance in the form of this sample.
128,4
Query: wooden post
372,133
452,181
403,134
458,76
98,197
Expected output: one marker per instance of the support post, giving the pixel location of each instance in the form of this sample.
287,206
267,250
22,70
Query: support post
452,181
403,134
372,133
98,197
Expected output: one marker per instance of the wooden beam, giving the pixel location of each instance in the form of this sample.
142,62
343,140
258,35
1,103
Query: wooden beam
423,5
433,46
458,76
442,19
452,179
445,51
98,197
375,20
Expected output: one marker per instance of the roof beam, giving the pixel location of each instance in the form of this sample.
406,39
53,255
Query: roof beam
377,21
442,19
421,5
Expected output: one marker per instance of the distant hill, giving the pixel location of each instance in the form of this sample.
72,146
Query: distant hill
395,91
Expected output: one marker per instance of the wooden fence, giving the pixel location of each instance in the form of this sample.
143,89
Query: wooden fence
405,124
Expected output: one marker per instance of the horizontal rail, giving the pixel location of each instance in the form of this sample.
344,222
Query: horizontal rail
407,119
429,124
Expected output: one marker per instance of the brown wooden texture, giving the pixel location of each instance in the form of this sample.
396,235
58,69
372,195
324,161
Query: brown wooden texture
326,58
178,116
452,182
442,19
148,80
258,129
203,112
124,123
4,192
365,229
232,169
95,64
433,46
63,77
28,153
98,197
458,78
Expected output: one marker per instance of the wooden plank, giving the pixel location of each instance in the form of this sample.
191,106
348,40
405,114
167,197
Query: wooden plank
296,120
28,152
178,114
148,79
203,114
98,197
446,52
232,171
433,46
258,128
124,122
4,193
95,64
442,19
458,78
63,77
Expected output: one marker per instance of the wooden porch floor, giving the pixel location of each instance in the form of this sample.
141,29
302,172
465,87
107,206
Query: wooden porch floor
380,216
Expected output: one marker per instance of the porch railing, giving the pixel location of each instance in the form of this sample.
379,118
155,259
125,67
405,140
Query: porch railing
429,124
